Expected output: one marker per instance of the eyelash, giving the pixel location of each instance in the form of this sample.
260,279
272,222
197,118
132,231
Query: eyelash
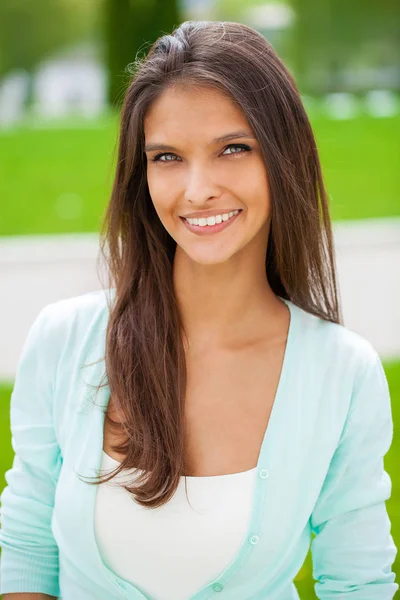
242,146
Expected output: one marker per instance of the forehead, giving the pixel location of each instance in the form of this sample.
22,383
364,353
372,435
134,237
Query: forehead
188,111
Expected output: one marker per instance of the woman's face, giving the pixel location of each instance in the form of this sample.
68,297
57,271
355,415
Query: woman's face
192,171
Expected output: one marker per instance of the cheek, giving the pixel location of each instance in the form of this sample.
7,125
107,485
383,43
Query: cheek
161,178
259,186
154,185
252,187
162,196
157,188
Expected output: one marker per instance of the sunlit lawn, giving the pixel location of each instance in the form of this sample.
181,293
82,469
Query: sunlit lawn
303,580
58,180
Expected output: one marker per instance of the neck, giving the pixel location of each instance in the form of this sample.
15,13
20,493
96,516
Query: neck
226,305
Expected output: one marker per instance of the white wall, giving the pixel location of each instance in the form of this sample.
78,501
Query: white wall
35,271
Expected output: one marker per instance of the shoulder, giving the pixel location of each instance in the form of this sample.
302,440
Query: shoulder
338,373
334,349
77,311
63,326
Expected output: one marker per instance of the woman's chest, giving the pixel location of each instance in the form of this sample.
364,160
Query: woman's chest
228,402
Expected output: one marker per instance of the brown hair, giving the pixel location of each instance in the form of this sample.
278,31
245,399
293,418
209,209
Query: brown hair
145,358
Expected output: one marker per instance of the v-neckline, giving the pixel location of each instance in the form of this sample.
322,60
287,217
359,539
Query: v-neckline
126,588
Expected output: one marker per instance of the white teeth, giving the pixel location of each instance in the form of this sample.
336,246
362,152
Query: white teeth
209,221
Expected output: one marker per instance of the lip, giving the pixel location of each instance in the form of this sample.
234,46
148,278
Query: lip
210,229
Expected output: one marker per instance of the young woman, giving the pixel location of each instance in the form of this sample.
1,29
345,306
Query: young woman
240,421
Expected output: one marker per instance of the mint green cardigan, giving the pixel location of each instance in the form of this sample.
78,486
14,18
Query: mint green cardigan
321,479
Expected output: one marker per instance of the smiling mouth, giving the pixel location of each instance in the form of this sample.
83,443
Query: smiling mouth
208,229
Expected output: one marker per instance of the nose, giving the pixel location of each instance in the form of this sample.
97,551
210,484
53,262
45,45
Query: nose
201,186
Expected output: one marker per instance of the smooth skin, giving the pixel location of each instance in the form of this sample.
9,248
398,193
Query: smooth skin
220,280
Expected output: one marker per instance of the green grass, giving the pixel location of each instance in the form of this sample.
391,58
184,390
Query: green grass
304,581
55,180
360,160
58,180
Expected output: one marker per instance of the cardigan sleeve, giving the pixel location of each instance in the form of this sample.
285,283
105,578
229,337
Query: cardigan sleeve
29,557
353,550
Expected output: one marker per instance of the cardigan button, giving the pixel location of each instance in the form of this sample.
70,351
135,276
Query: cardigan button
217,587
254,539
263,473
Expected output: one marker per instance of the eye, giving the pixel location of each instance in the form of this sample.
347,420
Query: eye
242,147
158,157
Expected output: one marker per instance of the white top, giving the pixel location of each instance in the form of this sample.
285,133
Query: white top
175,540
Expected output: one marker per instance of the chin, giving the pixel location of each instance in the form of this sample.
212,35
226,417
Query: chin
211,257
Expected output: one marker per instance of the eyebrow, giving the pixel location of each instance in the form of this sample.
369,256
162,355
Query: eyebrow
234,135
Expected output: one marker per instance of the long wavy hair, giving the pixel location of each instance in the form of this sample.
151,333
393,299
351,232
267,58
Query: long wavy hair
144,356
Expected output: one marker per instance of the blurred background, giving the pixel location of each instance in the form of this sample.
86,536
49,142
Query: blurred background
64,67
